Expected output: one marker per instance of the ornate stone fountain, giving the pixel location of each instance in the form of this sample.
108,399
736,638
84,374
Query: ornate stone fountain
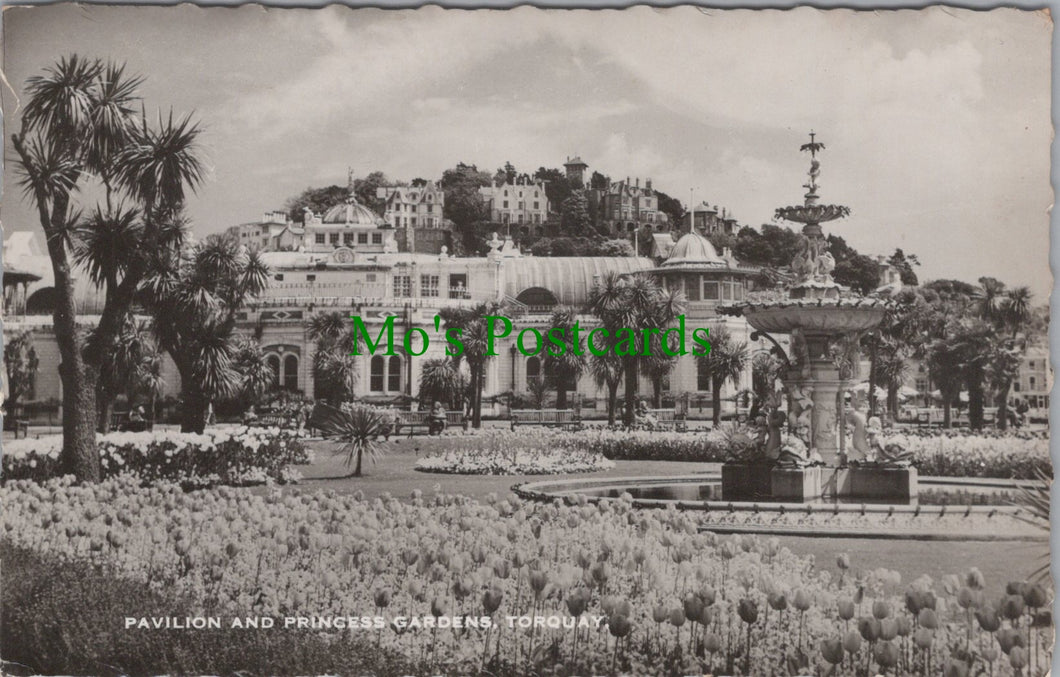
824,321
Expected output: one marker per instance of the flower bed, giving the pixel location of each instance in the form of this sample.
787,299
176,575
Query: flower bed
514,461
226,455
646,592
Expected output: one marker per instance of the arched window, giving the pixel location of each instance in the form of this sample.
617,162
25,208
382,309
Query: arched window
290,372
533,369
375,383
393,375
274,366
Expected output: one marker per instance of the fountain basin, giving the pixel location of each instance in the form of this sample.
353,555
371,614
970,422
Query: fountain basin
814,318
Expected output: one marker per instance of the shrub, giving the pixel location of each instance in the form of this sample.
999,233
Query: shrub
235,456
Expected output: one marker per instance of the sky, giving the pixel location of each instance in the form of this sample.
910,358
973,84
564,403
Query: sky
936,122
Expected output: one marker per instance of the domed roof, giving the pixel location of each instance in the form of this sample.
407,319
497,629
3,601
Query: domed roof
694,250
353,213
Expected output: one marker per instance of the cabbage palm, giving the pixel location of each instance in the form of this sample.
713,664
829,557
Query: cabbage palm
441,380
194,296
607,373
80,124
725,362
256,377
334,367
565,368
355,428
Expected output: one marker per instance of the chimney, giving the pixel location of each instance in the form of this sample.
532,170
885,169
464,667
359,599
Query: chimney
638,182
647,184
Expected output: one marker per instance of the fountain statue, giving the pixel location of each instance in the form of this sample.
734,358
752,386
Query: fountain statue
820,316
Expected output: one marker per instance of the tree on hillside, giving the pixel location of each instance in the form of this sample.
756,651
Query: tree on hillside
319,200
574,215
194,296
463,203
557,187
774,246
599,181
80,129
365,190
859,272
904,264
672,207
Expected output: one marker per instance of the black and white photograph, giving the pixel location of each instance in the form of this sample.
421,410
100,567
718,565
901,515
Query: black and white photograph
526,342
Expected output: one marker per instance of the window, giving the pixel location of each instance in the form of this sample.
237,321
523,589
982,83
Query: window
311,278
537,205
377,238
334,238
692,288
347,239
290,372
430,209
375,383
1032,382
458,286
1016,386
505,204
370,277
429,285
393,375
279,277
362,238
702,376
710,291
402,286
533,369
320,238
274,366
414,221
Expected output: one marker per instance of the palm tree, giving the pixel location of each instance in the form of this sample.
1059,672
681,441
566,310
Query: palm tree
335,368
356,428
568,366
473,333
607,373
194,296
255,376
122,361
725,362
626,307
1013,316
80,124
944,368
442,381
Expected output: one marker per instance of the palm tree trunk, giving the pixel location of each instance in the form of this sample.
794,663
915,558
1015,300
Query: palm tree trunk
612,402
715,397
975,399
947,413
631,391
656,392
193,408
872,377
561,394
1002,405
476,395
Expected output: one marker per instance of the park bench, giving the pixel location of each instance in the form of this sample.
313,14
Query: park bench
21,425
420,420
555,418
668,419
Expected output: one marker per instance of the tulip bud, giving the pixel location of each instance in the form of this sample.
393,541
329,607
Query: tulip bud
852,642
869,628
928,619
988,618
1008,639
881,609
748,610
491,600
693,606
619,626
777,600
888,628
382,598
802,600
437,607
904,626
1018,657
677,617
1012,606
846,608
1035,596
832,650
660,614
886,654
1015,588
712,643
843,561
955,668
923,637
974,579
707,594
968,598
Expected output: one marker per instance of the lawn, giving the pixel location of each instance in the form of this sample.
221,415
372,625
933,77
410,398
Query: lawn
394,473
